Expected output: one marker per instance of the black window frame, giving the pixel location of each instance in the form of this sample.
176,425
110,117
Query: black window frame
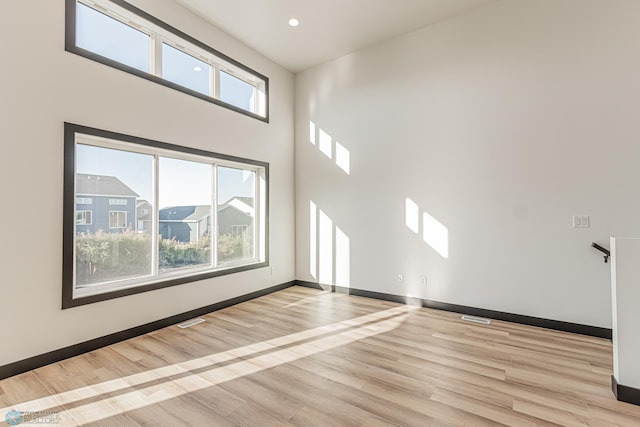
71,46
69,218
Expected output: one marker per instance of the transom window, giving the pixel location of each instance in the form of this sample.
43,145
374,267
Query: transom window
84,200
206,215
122,36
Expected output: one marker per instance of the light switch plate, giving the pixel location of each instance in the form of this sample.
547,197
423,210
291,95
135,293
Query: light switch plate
581,221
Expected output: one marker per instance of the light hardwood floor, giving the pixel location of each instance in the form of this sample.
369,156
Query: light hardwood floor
311,358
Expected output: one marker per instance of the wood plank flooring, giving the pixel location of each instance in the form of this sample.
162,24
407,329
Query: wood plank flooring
310,358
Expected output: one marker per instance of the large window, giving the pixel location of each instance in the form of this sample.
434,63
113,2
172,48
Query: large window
116,33
204,216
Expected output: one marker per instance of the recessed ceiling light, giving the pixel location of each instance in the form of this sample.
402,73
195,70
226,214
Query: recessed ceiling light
197,68
293,22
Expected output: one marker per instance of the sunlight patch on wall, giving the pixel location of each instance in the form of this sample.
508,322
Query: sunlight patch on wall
435,235
325,249
329,249
342,157
412,215
313,243
342,258
325,144
328,146
312,133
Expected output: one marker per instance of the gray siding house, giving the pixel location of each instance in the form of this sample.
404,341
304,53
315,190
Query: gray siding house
235,216
190,223
104,203
144,216
184,223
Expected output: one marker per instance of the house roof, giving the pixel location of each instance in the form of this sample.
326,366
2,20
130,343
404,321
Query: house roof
242,204
102,185
196,213
245,200
184,213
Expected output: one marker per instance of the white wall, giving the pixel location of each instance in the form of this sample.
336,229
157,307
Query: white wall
501,124
44,86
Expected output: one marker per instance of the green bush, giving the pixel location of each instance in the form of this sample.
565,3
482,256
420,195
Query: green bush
174,254
104,256
234,247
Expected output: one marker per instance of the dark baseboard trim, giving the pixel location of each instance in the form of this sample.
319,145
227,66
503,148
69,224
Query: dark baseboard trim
314,285
625,393
576,328
31,363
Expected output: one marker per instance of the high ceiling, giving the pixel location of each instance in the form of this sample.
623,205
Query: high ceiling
328,28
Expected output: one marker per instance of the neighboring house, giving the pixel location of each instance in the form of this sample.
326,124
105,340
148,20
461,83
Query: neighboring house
236,216
184,223
190,223
144,216
104,203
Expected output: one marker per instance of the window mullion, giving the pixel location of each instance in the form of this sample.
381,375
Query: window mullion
216,81
156,55
214,215
255,107
257,200
155,220
212,80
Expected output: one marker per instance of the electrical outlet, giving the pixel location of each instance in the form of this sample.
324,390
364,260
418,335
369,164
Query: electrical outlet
400,277
423,280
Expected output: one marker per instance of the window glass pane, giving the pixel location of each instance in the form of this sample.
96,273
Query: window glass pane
83,217
236,214
108,37
236,92
185,70
109,244
117,219
185,214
